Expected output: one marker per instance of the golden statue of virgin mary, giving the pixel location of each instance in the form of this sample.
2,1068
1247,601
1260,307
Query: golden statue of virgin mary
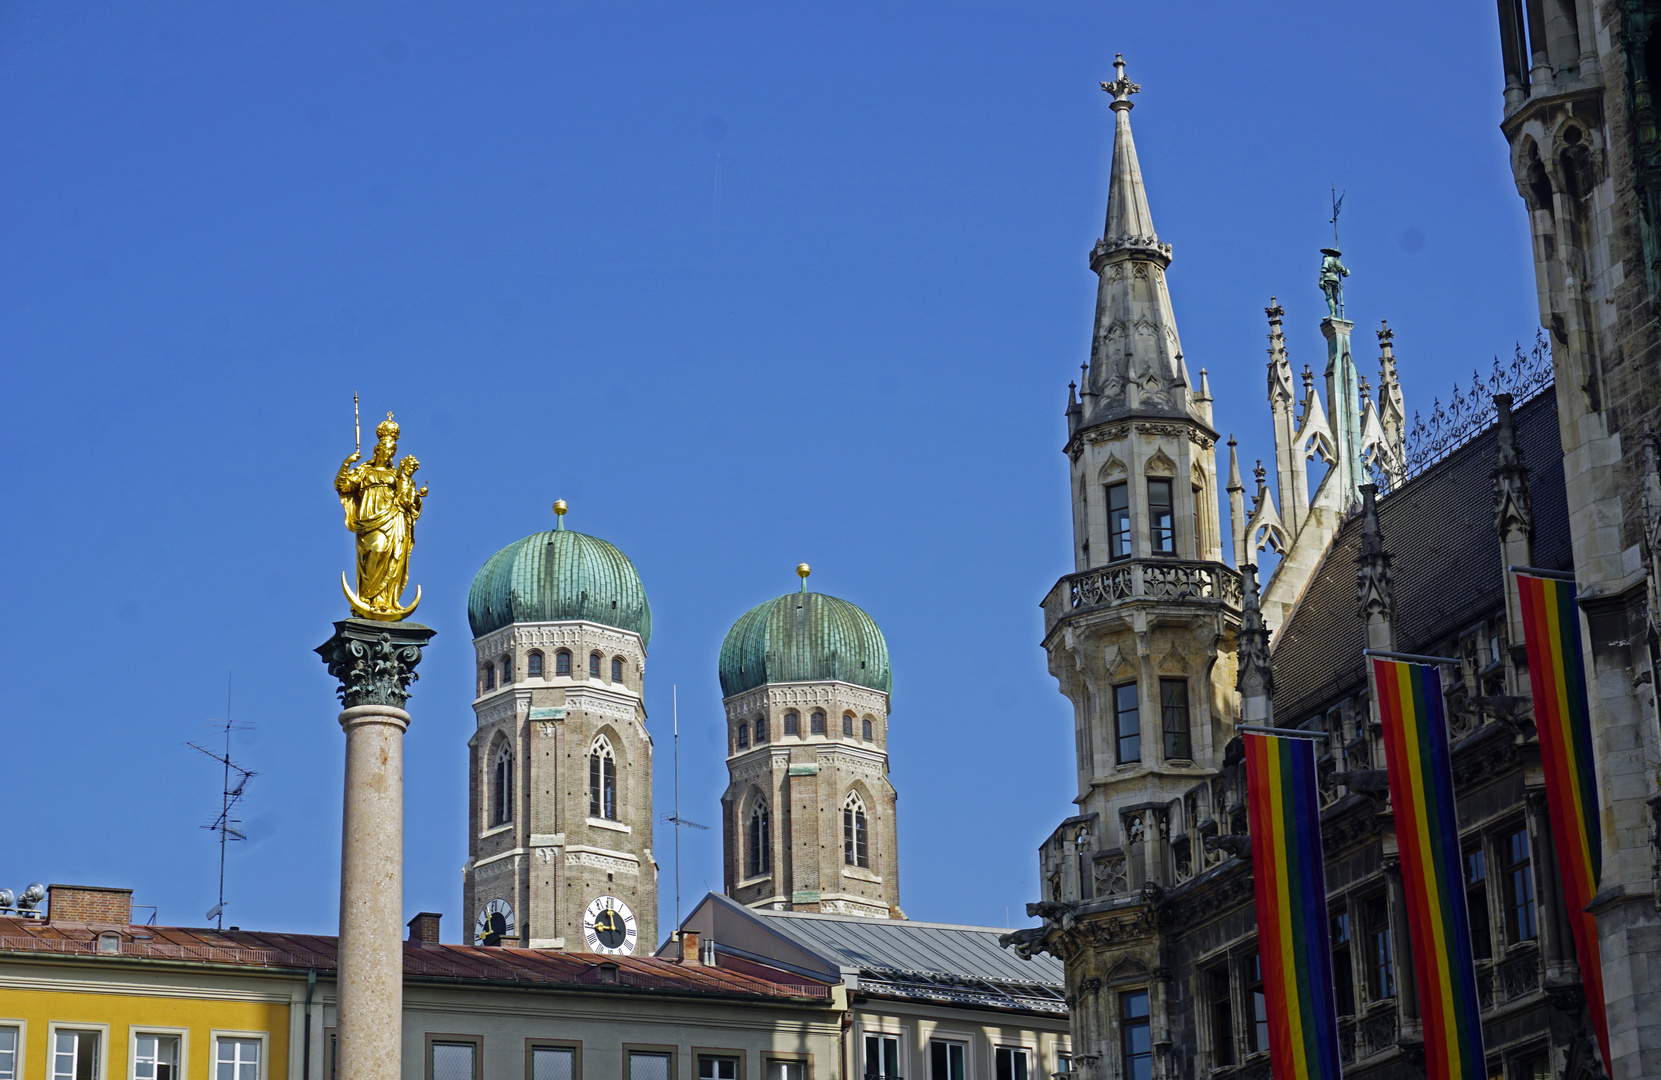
382,504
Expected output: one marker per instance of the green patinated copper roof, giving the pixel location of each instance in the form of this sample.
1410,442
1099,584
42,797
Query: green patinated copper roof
549,576
804,637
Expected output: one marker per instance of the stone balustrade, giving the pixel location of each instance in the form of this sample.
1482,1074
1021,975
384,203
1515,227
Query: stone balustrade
1141,580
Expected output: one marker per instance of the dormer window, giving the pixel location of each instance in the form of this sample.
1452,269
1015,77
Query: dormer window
109,942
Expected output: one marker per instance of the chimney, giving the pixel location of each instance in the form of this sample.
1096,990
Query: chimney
90,904
424,927
689,948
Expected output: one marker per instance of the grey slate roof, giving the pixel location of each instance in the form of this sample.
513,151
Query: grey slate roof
1439,527
931,961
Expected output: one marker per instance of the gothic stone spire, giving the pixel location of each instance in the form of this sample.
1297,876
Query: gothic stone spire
1374,592
1136,362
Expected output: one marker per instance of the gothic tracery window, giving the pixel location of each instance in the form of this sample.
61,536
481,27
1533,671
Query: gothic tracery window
501,794
602,780
760,840
855,846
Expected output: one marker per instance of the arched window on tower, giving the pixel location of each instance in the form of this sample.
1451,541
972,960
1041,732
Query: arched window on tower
761,730
533,666
743,734
562,662
501,786
855,848
816,723
602,780
617,669
866,729
594,665
759,841
792,724
490,677
1162,532
848,724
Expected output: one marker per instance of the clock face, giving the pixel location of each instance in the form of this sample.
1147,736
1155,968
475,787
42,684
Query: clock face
609,927
495,923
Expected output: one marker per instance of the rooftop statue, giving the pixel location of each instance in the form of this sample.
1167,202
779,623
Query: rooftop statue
382,504
1333,274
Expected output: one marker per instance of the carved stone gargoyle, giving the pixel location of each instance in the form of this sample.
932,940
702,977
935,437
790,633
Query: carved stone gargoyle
1026,942
1365,781
1237,844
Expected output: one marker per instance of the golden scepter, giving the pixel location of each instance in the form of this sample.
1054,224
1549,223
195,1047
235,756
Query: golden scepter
357,427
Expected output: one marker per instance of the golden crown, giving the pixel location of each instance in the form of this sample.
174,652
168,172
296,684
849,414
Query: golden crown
387,429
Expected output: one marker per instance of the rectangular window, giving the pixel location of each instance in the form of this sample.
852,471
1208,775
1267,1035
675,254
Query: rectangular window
1010,1063
1136,1037
648,1066
1118,521
1533,1067
1519,889
1161,518
717,1067
948,1060
1128,723
1222,1019
1476,902
239,1059
75,1055
1173,713
1257,1025
1343,974
784,1069
8,1053
1064,1063
1381,957
555,1063
155,1057
882,1057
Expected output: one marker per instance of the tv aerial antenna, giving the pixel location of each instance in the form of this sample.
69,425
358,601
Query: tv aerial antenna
236,783
675,819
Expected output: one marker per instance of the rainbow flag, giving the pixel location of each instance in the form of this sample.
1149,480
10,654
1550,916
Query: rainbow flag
1427,837
1293,938
1557,671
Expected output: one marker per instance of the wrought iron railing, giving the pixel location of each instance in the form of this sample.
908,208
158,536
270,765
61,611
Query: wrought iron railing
1468,412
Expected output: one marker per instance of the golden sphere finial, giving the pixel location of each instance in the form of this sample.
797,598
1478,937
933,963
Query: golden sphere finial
803,570
559,506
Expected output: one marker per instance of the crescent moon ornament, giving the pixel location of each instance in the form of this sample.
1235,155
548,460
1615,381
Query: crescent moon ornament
367,612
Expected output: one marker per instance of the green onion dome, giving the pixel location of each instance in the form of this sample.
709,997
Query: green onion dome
558,575
804,637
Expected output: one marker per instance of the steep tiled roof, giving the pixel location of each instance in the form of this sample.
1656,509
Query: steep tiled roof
20,938
1439,527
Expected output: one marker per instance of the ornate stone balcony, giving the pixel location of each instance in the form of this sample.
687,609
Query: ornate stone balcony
1150,580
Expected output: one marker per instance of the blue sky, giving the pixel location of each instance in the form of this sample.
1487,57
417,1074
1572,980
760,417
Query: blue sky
748,285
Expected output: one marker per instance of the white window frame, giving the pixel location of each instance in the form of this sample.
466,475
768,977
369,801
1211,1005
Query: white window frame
55,1026
1035,1060
264,1038
966,1038
182,1034
885,1032
22,1027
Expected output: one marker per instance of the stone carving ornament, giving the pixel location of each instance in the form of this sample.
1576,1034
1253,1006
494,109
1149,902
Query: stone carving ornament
374,667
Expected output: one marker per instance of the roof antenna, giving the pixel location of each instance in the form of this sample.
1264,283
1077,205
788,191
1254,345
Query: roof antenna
226,825
675,819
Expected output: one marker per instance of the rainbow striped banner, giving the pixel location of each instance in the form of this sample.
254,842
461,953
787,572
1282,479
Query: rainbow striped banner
1293,938
1427,837
1557,672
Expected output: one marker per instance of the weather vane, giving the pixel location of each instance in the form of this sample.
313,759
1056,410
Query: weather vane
1333,272
1337,205
382,503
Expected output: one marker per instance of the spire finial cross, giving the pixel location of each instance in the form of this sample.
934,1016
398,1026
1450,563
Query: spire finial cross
1121,88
